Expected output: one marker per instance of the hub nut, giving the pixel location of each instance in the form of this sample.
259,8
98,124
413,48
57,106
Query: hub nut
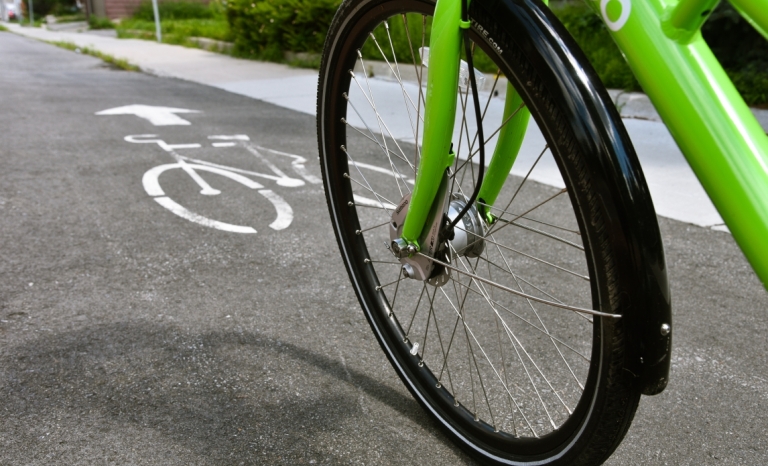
400,247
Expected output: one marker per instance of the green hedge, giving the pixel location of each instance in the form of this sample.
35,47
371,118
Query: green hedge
742,51
100,22
593,38
264,29
176,31
174,10
179,20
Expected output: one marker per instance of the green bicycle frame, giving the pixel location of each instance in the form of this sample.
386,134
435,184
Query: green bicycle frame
661,39
714,128
442,82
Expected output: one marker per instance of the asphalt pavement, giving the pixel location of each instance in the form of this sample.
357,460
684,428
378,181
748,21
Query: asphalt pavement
131,334
676,191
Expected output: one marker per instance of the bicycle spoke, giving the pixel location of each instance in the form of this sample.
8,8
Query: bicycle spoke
380,198
426,328
523,295
542,261
406,96
508,326
470,333
360,232
391,152
537,206
528,356
546,331
380,122
543,233
488,139
524,320
416,309
381,287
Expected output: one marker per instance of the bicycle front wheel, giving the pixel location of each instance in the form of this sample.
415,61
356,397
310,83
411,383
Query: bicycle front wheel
514,380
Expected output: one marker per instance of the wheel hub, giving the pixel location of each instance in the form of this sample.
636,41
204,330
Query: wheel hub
466,239
468,234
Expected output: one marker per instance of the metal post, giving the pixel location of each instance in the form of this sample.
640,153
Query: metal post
158,34
31,14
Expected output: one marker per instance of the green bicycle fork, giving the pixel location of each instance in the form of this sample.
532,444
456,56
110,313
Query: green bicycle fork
440,111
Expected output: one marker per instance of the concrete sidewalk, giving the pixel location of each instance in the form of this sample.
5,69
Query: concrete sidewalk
676,192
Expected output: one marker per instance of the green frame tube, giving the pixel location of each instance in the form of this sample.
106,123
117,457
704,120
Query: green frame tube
755,12
507,147
714,128
661,39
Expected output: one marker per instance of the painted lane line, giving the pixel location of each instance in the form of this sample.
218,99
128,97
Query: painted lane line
284,211
372,202
284,180
232,137
164,145
384,171
205,188
184,213
297,165
279,181
152,186
224,144
170,147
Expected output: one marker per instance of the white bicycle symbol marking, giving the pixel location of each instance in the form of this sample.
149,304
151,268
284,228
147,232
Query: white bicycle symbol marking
151,179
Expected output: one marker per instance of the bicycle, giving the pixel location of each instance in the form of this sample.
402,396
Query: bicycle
476,324
191,166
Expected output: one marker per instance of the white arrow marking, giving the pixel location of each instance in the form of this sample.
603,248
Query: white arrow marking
158,116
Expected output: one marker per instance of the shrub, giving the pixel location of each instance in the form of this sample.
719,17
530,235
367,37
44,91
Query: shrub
404,50
174,10
179,21
42,8
742,51
264,29
593,38
176,31
100,22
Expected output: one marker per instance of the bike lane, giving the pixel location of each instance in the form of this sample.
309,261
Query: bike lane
131,334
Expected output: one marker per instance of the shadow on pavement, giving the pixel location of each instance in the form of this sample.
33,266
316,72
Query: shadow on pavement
212,395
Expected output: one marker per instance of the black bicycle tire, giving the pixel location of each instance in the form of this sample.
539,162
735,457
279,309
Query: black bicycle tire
615,398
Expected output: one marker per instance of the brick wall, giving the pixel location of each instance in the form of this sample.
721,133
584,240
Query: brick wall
120,8
124,8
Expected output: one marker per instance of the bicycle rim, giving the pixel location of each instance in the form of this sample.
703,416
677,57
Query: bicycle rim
515,380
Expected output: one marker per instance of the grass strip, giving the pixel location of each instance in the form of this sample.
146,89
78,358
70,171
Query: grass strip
176,31
116,62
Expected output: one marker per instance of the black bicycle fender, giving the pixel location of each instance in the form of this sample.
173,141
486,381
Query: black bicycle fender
645,302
